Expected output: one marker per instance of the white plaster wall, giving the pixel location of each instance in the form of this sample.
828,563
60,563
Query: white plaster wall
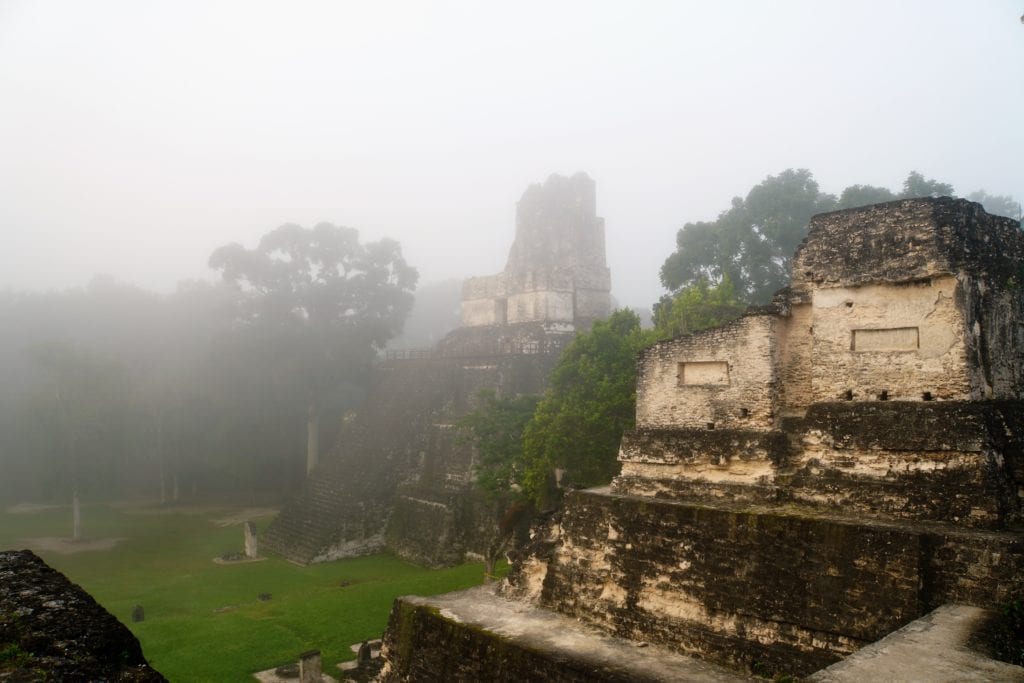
938,366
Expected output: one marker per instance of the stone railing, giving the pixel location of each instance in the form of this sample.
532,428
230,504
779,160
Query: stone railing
509,348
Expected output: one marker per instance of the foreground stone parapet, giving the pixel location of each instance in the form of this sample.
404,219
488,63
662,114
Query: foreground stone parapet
933,648
475,635
52,630
783,589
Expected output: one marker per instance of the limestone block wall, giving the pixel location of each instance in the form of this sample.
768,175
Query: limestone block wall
741,585
950,461
724,378
795,345
892,341
702,464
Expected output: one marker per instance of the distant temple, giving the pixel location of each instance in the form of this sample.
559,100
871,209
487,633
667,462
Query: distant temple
556,269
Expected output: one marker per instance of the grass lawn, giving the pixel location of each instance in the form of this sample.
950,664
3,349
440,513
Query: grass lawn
203,620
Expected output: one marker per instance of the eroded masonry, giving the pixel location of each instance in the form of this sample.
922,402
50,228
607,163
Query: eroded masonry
802,481
400,476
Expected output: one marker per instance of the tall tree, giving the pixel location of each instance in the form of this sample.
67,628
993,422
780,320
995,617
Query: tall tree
589,403
697,307
916,185
752,242
1001,205
85,416
321,303
496,428
862,195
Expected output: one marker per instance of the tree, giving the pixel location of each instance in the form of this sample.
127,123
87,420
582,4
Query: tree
589,403
697,307
82,413
752,242
321,304
917,186
1000,205
495,428
862,195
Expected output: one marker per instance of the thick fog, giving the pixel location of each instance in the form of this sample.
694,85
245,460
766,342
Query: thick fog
135,138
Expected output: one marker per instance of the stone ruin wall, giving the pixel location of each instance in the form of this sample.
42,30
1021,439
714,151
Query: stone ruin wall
944,267
721,379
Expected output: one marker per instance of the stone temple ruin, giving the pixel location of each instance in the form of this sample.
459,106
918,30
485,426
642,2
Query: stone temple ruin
400,477
800,483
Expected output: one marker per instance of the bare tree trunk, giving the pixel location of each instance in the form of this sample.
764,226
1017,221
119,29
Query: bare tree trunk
312,436
160,457
76,516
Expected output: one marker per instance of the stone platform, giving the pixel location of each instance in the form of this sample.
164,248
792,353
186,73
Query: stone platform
476,635
780,589
933,649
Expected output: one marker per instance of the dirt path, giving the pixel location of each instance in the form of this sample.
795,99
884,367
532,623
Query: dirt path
68,546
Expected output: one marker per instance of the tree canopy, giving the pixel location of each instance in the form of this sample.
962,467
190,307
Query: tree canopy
320,304
697,307
752,242
589,403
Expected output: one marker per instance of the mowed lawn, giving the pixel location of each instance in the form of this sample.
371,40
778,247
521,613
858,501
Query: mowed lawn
204,621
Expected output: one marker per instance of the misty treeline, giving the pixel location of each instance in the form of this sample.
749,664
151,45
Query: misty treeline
216,389
751,243
531,449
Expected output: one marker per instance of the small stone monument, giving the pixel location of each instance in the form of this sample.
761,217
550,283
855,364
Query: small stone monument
364,655
251,547
309,667
138,614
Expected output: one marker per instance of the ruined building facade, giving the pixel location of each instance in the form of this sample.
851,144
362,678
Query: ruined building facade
556,270
806,479
401,474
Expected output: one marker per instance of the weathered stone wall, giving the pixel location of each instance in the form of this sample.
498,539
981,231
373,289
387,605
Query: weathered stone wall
716,379
52,630
787,589
702,465
795,345
902,341
943,266
958,462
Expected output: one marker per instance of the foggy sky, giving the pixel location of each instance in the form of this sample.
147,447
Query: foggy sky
136,137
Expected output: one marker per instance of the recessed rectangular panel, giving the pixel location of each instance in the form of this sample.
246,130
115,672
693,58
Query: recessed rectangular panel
891,339
704,372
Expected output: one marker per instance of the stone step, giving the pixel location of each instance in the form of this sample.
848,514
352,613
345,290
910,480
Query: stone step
442,638
932,649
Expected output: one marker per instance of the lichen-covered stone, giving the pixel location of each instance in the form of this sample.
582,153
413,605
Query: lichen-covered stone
52,630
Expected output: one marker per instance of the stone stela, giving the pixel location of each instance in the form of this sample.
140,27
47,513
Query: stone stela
251,545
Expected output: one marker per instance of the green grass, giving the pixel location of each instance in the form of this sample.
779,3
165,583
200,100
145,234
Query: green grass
165,564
